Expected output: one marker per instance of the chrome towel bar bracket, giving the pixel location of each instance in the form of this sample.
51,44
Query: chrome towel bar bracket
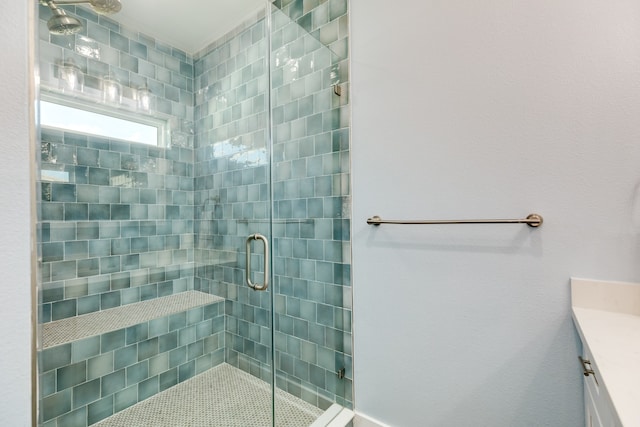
533,220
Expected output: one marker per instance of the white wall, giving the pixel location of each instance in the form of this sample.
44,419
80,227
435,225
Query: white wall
15,196
491,109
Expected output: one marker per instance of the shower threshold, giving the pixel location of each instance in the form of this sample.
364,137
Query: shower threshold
222,396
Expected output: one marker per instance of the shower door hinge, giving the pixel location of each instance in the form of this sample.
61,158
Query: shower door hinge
341,373
337,89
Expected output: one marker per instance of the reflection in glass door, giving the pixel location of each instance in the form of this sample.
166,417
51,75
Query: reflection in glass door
210,265
311,205
232,191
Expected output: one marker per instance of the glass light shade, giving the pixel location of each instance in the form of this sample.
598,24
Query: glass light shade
71,78
111,90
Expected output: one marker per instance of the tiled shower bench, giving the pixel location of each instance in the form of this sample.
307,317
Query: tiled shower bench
97,364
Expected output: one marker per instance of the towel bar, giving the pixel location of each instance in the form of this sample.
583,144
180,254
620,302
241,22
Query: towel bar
533,220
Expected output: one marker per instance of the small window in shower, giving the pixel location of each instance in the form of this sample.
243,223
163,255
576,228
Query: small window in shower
81,119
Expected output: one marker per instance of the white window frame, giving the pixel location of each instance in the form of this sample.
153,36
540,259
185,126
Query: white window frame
161,125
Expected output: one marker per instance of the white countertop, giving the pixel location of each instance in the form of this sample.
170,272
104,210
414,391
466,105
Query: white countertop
607,316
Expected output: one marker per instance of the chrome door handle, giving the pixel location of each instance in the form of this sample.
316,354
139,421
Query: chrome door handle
265,284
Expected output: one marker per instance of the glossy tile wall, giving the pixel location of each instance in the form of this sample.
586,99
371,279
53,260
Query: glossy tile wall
231,180
135,222
85,381
118,228
311,233
310,178
325,20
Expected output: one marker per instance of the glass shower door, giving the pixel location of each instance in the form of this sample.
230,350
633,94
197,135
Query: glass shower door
143,297
207,261
232,189
311,206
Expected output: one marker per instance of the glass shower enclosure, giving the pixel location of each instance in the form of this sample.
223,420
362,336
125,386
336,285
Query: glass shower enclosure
194,221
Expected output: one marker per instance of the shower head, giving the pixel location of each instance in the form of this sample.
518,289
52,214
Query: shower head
105,7
60,22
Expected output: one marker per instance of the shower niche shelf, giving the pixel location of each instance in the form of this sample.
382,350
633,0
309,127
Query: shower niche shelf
217,257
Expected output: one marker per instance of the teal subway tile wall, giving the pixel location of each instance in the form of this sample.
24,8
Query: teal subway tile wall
119,230
92,378
311,197
121,222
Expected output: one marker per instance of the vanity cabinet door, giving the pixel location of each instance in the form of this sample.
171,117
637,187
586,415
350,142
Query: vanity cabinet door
591,417
599,411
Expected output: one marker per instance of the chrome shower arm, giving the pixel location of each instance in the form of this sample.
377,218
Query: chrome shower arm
104,7
63,2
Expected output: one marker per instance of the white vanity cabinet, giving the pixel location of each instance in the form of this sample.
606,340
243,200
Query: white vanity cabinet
599,411
607,318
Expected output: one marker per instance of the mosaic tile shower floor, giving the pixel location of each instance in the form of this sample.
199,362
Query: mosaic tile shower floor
223,396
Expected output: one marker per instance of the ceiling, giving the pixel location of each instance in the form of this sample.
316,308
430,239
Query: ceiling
189,25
